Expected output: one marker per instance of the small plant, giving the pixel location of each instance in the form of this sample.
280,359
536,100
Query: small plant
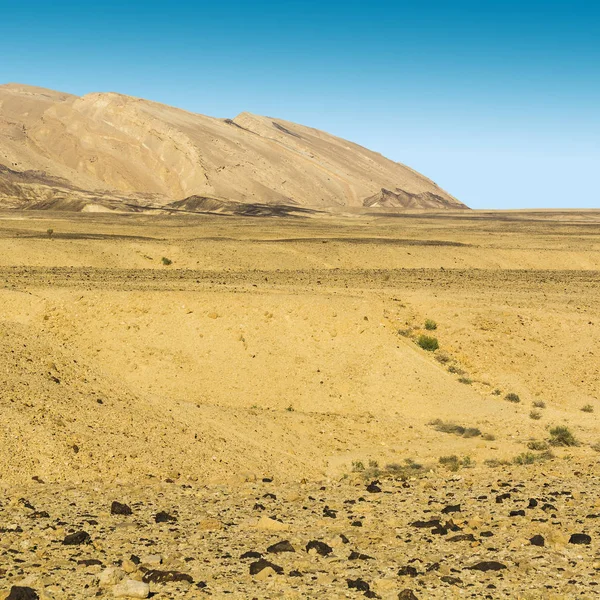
537,445
562,436
488,437
466,432
539,404
511,397
496,392
454,369
465,380
496,462
442,358
454,463
596,447
529,458
290,408
536,415
373,464
50,232
166,261
405,332
430,325
428,343
358,466
588,408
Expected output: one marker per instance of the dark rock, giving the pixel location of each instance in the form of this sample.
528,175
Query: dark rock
426,524
548,507
258,506
39,514
356,523
329,513
451,580
537,540
371,594
251,554
22,593
344,539
502,497
269,495
359,556
486,534
462,537
116,508
451,508
487,565
295,574
373,488
164,517
321,547
516,513
407,571
407,595
75,539
284,546
156,576
358,584
532,503
89,562
135,559
261,563
26,503
580,538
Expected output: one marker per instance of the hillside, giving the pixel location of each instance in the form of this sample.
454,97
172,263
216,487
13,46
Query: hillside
106,150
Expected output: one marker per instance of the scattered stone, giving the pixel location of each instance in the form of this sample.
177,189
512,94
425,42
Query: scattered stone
373,487
537,540
283,546
260,564
110,576
269,524
451,580
407,571
164,517
116,508
251,554
131,589
359,556
580,538
487,565
462,537
517,513
407,595
358,584
156,576
22,593
76,539
320,547
451,508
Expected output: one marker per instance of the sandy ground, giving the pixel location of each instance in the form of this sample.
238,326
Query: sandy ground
285,349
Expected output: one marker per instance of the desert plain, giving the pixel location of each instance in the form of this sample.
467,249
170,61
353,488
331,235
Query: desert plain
180,390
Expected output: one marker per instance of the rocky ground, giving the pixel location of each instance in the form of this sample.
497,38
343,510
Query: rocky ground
504,532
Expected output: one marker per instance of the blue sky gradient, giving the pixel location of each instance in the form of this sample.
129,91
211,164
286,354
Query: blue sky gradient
498,102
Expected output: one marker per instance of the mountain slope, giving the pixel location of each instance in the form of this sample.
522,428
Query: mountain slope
106,148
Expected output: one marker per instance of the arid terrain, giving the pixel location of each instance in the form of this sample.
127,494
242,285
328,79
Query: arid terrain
238,381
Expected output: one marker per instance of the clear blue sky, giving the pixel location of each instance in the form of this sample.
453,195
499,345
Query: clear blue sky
498,102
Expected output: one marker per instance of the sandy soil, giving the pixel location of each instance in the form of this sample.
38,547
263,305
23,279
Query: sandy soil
286,349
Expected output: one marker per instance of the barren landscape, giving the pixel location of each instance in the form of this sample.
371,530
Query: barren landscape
379,403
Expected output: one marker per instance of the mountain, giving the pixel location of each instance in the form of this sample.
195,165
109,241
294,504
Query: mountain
108,151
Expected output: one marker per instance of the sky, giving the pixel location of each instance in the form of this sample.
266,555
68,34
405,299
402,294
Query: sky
497,101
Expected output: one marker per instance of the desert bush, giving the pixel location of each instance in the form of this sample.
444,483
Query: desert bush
562,436
537,445
357,466
536,415
596,447
407,332
529,458
50,232
442,358
430,325
166,261
454,463
496,392
539,404
467,432
465,380
428,343
290,408
511,397
588,408
496,462
456,370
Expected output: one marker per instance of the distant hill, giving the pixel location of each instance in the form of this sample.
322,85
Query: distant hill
109,151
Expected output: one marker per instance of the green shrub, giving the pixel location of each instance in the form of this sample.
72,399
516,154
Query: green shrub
166,261
50,232
466,432
562,436
537,445
357,466
428,343
539,404
465,380
454,463
529,458
496,392
442,357
512,397
456,370
588,408
536,415
430,325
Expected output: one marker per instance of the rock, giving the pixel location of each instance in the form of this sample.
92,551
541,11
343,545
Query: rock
116,508
580,538
517,513
407,571
462,537
284,546
131,589
329,513
373,487
269,524
251,554
156,576
128,566
407,595
537,540
164,517
358,584
151,559
532,503
320,547
358,556
260,564
76,539
451,580
487,565
110,576
451,508
22,593
426,524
